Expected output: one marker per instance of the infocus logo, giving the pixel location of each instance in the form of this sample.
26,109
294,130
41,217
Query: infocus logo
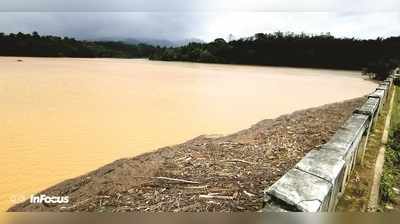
49,199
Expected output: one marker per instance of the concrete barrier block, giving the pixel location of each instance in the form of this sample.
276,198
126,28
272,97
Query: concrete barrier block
357,147
377,94
389,79
345,136
301,191
347,157
380,94
369,107
356,123
383,86
341,141
346,143
328,166
385,82
322,164
345,147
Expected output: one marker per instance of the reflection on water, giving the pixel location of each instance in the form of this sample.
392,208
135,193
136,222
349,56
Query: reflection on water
60,118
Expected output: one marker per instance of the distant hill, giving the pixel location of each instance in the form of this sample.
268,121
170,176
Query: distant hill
153,41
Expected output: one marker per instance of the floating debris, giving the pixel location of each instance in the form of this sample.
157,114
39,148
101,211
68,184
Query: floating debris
224,173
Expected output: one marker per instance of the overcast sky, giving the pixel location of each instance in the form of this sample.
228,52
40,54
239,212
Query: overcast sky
204,19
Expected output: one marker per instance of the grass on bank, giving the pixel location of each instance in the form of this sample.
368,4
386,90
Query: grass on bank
391,171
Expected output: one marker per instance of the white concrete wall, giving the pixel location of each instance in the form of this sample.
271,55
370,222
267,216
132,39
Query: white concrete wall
318,181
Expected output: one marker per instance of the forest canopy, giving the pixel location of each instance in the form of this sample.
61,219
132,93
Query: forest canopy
34,45
299,50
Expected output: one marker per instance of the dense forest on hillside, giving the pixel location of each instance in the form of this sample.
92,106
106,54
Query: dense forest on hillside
376,56
299,50
35,45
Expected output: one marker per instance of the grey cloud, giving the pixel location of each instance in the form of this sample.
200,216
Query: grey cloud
100,5
199,5
179,19
99,25
359,25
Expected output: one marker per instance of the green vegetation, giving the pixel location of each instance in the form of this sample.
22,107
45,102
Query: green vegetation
34,45
300,50
375,57
391,172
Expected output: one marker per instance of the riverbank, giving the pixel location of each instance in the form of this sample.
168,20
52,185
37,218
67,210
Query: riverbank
208,173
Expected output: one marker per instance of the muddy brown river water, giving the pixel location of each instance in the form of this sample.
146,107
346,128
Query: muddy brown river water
62,117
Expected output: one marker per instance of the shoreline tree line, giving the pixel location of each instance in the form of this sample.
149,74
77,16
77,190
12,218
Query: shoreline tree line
34,45
377,56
